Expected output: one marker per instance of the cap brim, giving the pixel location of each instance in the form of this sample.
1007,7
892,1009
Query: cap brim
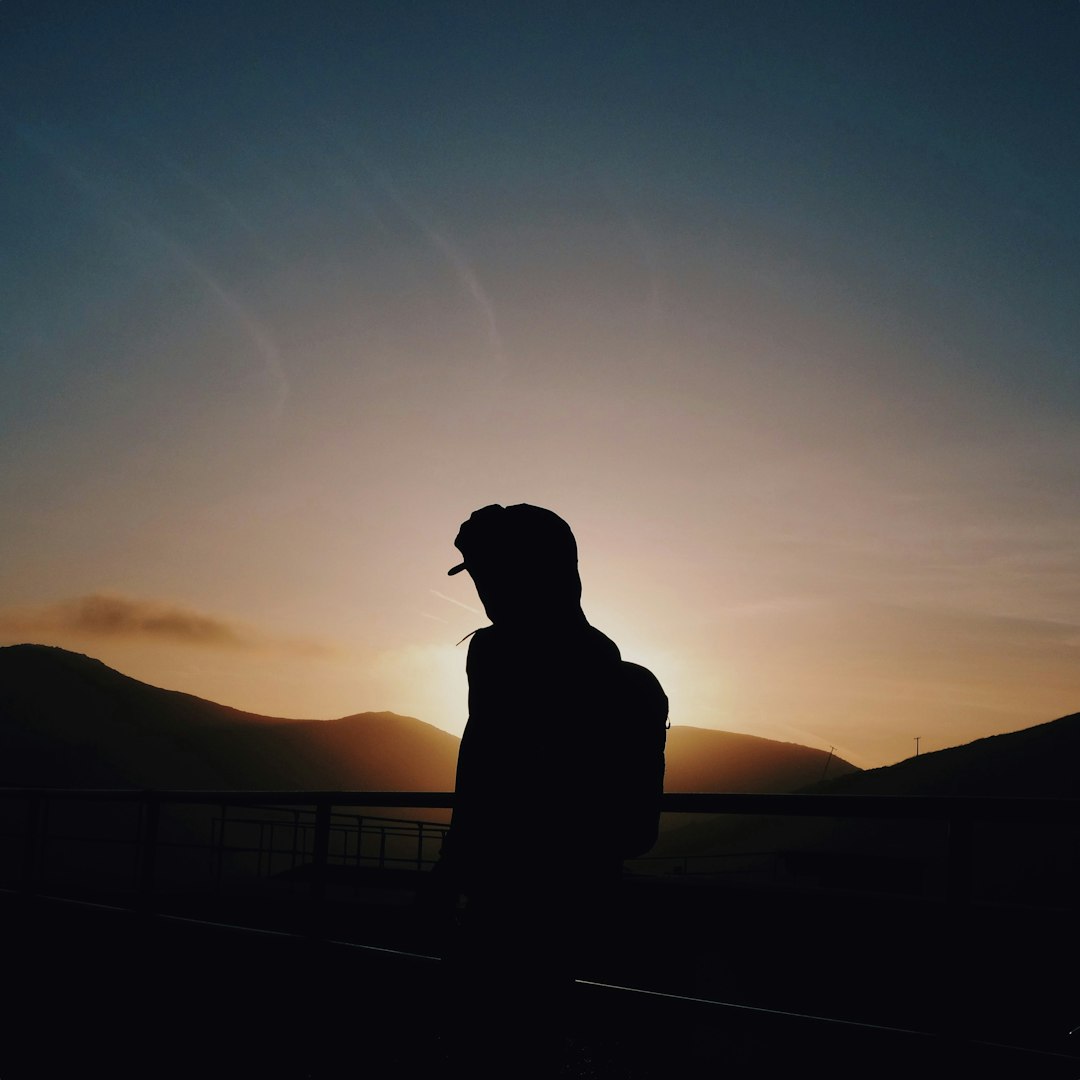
455,569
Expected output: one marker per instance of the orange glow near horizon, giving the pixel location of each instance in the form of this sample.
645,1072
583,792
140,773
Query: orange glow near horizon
681,282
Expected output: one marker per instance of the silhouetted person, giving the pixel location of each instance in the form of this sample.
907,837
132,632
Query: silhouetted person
559,776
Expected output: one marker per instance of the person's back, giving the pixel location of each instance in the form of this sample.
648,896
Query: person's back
543,784
542,763
547,797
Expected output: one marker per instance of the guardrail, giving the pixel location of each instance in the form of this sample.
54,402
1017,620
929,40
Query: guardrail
310,831
273,833
317,845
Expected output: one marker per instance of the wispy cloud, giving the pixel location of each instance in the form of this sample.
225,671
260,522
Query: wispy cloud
120,209
437,237
459,265
451,600
109,616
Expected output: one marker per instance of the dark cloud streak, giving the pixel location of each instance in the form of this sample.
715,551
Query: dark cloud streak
107,616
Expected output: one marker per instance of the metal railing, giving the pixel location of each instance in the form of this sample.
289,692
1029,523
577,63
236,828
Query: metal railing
291,835
310,834
135,849
118,839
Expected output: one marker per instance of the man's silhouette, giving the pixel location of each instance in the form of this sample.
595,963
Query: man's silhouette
560,763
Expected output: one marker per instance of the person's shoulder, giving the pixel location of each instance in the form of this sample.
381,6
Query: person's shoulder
482,643
640,682
602,645
482,638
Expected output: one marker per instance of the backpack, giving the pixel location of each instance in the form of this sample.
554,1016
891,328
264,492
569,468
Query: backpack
641,717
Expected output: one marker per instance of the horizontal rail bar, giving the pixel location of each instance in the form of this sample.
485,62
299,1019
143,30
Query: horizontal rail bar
877,806
425,799
853,806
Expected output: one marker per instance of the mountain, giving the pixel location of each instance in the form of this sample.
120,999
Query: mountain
67,720
1015,863
1037,762
700,759
704,760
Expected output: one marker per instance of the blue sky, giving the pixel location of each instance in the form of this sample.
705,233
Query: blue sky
778,304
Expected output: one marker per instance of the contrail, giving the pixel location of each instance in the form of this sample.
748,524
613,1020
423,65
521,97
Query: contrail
140,226
211,193
451,600
462,269
258,333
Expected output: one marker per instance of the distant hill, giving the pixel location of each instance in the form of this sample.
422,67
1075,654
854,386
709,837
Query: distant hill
67,720
699,759
1015,863
1037,762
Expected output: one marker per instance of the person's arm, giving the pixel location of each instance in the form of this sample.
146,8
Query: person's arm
473,753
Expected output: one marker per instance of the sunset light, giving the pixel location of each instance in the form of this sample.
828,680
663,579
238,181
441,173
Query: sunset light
794,354
540,540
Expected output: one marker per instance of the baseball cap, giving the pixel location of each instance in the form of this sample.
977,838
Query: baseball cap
519,534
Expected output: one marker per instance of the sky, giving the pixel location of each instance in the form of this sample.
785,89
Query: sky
776,303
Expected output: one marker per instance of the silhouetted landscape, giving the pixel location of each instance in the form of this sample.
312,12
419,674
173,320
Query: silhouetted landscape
330,333
67,720
789,883
1038,762
1018,864
700,759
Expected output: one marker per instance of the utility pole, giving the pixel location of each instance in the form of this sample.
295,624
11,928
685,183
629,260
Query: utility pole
917,738
827,760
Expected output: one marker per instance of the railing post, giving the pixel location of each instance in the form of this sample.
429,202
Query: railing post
32,844
296,855
321,849
150,819
217,833
959,860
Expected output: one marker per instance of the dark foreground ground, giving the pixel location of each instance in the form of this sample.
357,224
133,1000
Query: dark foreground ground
99,992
